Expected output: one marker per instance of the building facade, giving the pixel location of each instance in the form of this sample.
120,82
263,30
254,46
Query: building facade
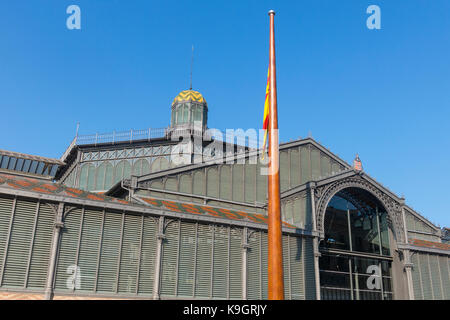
153,214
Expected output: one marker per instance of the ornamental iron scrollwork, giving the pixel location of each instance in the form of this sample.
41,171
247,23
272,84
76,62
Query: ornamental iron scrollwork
324,194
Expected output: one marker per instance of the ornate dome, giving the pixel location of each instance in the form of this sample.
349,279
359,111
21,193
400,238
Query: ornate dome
189,95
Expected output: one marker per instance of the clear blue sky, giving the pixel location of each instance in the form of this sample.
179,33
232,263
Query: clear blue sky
382,93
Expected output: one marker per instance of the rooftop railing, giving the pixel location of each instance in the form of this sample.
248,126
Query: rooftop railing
156,133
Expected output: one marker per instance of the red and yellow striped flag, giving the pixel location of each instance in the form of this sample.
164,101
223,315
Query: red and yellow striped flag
266,115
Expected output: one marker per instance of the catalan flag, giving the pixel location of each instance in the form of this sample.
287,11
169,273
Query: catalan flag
266,116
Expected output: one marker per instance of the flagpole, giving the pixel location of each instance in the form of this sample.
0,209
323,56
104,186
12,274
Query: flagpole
275,254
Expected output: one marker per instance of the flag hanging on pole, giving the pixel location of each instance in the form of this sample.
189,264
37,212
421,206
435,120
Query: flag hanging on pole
266,115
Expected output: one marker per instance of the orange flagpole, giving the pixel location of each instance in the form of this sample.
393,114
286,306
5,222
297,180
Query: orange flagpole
275,254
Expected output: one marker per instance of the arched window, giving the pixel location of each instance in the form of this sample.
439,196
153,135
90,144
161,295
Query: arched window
355,261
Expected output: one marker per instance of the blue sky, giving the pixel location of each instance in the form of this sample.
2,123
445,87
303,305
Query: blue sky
382,93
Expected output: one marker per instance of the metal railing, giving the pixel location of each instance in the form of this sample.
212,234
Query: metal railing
154,133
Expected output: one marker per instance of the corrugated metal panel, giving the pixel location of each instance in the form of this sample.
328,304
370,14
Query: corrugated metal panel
310,280
238,182
324,166
295,167
254,267
88,251
204,261
41,247
284,170
185,183
19,244
220,271
315,163
426,277
435,276
169,260
109,253
296,268
187,260
225,182
305,165
68,248
212,183
148,252
130,253
445,276
417,283
199,178
236,265
6,206
287,212
250,183
261,185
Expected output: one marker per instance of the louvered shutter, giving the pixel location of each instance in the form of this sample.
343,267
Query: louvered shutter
235,286
254,267
426,278
169,260
225,182
295,168
67,253
417,284
220,271
204,260
284,171
435,277
109,253
129,254
310,280
445,276
6,206
88,248
286,268
19,244
41,247
148,252
297,272
186,260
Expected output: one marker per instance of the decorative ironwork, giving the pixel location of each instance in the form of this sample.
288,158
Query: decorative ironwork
324,194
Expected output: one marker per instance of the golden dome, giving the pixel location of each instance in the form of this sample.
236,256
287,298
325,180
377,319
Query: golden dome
189,95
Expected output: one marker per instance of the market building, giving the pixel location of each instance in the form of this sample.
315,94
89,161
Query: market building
153,214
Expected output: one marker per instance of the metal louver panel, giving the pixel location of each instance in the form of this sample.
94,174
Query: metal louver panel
40,253
261,185
263,263
19,244
187,260
169,260
88,249
426,277
305,164
130,253
6,206
254,267
235,286
220,271
296,268
417,283
109,253
204,261
212,183
445,276
435,276
286,268
67,253
310,280
148,252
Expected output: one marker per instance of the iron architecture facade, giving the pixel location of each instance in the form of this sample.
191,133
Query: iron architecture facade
117,217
